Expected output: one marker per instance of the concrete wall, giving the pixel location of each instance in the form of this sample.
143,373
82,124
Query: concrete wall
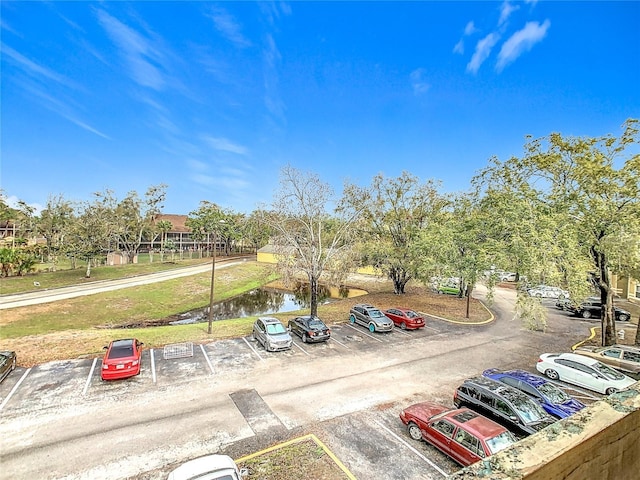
601,442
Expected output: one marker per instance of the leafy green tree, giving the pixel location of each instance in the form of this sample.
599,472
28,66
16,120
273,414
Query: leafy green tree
53,224
163,226
307,239
393,214
584,193
255,232
207,222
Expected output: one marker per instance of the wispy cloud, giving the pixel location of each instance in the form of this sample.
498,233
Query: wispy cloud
470,29
228,27
225,145
272,99
141,56
419,82
34,69
506,9
521,41
459,47
482,52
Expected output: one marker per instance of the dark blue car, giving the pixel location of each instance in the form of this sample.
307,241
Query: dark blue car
555,401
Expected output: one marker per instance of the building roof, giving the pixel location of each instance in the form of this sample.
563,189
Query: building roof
178,222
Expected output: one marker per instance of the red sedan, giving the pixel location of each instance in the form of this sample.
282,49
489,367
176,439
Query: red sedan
122,359
405,318
462,434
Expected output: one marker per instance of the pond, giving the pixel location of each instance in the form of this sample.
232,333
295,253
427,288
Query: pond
267,300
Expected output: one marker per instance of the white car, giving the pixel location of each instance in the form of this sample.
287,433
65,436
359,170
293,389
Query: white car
583,371
545,291
210,467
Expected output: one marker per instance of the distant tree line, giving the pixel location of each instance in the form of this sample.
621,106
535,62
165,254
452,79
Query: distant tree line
566,213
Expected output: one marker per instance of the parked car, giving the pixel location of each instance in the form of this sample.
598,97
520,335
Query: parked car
405,318
8,361
506,405
545,291
449,288
507,276
272,334
621,357
370,317
462,434
310,329
566,304
592,307
122,359
210,467
583,371
553,400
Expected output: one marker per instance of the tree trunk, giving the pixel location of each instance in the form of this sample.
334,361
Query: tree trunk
313,287
608,323
88,272
400,278
637,341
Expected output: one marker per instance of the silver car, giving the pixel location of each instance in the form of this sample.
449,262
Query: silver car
272,334
370,317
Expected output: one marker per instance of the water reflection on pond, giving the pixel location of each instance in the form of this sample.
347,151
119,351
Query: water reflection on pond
267,300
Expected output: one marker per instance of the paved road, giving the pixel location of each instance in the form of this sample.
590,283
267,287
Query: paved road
46,296
64,423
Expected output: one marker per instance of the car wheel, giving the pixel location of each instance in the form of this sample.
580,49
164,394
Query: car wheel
352,318
305,339
623,318
414,431
253,334
586,314
403,326
372,327
610,391
552,374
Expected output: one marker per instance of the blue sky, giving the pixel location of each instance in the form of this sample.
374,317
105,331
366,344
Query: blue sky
213,98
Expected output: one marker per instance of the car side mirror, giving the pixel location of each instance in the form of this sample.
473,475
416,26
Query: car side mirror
513,418
105,347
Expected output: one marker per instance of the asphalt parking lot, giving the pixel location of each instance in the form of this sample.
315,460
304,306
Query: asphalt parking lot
367,441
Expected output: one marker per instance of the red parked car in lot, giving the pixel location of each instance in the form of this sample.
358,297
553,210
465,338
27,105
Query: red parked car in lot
462,434
122,359
405,318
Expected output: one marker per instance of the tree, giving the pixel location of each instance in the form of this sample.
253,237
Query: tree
308,241
53,224
584,194
133,217
394,212
164,226
254,231
207,222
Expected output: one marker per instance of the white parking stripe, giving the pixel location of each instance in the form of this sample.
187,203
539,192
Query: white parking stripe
398,330
93,367
14,389
153,366
339,343
431,328
360,331
303,350
207,358
253,349
442,472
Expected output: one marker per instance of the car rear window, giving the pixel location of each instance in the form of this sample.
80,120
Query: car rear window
121,351
500,442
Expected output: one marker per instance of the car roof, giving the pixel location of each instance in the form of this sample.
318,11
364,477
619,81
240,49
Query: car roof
464,417
207,467
530,378
578,358
269,319
498,388
125,342
626,348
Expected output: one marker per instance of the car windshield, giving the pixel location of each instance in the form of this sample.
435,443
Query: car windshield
500,442
275,328
553,393
529,411
607,371
376,314
316,325
121,351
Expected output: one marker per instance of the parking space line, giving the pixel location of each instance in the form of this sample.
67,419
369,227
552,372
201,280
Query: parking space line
253,349
396,330
153,366
207,359
402,441
339,343
359,331
431,328
93,367
15,388
303,350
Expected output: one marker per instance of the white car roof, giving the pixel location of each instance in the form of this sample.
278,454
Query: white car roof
578,358
208,467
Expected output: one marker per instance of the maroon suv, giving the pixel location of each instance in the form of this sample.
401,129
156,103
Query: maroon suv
462,434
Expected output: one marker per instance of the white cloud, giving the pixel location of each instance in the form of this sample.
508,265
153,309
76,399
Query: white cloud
139,53
470,28
418,81
506,9
483,50
14,202
225,145
227,26
34,69
521,41
459,47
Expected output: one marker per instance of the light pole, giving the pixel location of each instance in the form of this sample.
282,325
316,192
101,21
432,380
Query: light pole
213,278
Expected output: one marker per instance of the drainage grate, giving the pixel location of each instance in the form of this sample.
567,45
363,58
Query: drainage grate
178,350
